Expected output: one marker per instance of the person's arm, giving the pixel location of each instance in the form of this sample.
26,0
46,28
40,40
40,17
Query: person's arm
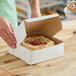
6,32
35,9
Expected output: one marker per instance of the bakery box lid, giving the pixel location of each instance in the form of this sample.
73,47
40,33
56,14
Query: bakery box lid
45,25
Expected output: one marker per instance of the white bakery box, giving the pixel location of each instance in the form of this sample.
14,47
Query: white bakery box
46,26
69,14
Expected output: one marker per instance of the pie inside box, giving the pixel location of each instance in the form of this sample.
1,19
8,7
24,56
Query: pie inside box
37,42
45,26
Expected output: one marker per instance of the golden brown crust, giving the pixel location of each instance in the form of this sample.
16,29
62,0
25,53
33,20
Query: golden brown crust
72,6
48,12
47,42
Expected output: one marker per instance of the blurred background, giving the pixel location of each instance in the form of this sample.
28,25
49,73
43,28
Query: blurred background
47,7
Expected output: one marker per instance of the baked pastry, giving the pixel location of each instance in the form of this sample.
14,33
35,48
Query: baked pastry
49,12
72,6
43,14
37,42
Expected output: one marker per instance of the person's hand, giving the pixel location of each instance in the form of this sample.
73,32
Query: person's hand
35,8
35,14
6,32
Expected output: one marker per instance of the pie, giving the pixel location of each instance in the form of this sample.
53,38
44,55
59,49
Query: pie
48,12
72,6
37,42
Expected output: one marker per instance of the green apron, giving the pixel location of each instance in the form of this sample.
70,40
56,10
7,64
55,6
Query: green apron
8,11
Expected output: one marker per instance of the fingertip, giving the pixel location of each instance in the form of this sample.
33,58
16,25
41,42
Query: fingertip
14,46
14,42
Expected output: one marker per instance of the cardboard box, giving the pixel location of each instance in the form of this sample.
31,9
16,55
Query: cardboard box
46,26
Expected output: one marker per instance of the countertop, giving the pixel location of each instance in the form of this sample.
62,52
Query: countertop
62,66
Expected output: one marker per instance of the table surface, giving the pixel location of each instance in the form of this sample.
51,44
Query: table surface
62,66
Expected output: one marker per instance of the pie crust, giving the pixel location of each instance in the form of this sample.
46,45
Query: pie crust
72,6
37,42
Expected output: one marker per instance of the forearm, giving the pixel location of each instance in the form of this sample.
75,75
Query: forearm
35,9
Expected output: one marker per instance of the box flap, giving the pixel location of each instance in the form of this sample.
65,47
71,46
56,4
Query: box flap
45,25
20,33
